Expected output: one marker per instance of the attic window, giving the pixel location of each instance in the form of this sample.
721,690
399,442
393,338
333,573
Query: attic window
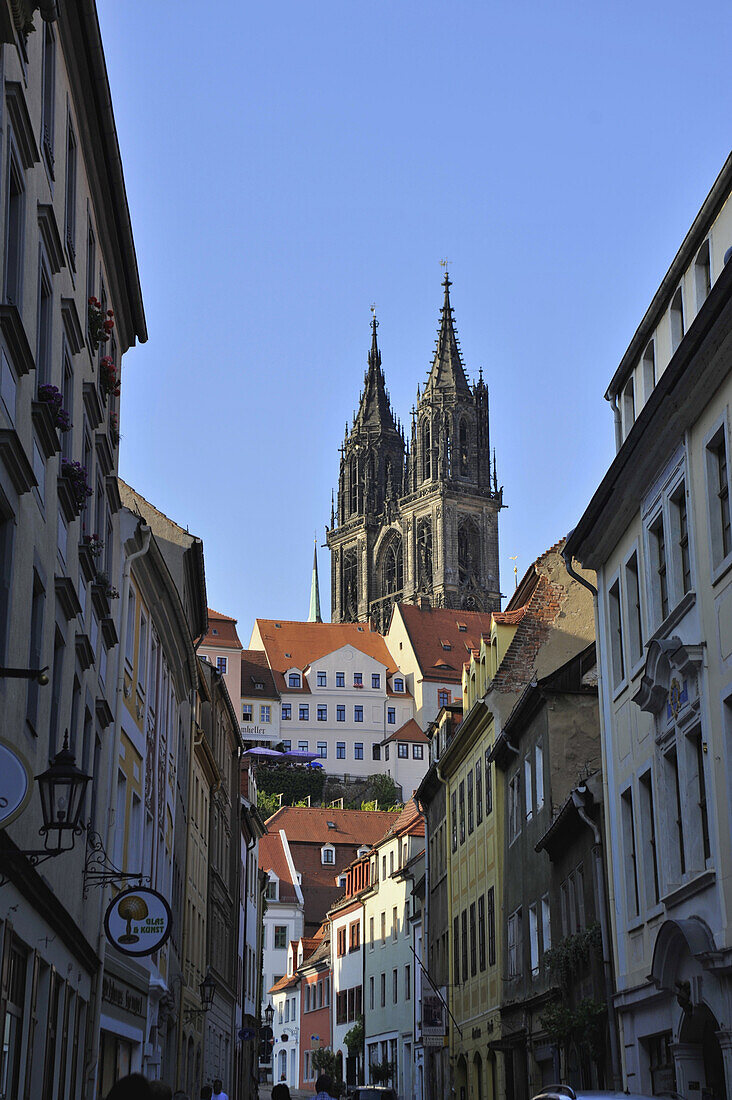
278,626
327,854
331,824
341,880
360,630
259,685
462,628
288,655
214,630
446,645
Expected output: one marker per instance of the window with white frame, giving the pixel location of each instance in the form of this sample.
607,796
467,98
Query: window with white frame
293,680
539,775
534,939
629,855
633,610
718,495
669,544
702,275
615,627
273,887
528,790
648,368
327,854
649,858
398,684
322,679
514,944
265,713
222,665
680,534
546,924
659,569
514,807
676,318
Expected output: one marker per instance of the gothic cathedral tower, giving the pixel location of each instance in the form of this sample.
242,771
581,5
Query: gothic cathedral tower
419,521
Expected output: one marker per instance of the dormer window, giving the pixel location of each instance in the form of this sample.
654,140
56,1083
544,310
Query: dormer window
293,680
258,685
398,683
327,854
214,630
341,880
362,851
273,888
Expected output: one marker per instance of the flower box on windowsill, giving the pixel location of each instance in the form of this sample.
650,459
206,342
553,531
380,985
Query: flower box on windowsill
109,632
100,600
44,422
84,651
67,498
92,405
87,561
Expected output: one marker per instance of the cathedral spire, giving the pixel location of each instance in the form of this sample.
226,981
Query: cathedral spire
314,616
374,411
447,373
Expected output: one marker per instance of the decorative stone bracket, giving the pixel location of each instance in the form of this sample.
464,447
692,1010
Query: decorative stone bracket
666,657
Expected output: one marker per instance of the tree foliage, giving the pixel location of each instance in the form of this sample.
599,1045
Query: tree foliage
294,782
354,1037
385,793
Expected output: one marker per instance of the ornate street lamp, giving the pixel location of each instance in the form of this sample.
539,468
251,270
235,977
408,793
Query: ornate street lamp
208,991
61,787
269,1015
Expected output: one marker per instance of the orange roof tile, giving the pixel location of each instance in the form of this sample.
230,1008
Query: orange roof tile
431,629
221,632
307,642
410,821
285,982
410,731
510,618
309,824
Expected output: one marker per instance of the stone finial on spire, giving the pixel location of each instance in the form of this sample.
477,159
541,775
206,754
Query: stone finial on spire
374,410
314,615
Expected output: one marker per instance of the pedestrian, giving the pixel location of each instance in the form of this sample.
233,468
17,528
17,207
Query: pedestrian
218,1090
323,1087
280,1092
133,1087
160,1091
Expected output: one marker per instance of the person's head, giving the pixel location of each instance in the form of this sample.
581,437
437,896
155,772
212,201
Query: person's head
160,1091
323,1084
134,1087
218,1085
280,1092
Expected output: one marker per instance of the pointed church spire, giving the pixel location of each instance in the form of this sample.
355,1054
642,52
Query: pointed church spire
374,411
447,371
314,616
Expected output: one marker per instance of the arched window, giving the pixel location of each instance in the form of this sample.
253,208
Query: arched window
463,448
426,452
349,600
353,485
391,568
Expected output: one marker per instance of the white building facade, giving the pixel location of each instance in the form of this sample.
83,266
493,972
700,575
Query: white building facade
658,534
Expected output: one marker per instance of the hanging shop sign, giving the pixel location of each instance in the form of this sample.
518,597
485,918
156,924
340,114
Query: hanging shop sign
16,783
138,921
433,1020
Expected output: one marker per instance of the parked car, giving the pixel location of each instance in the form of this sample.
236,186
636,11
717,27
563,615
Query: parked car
373,1092
566,1092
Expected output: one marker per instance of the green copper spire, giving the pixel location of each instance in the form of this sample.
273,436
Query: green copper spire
314,616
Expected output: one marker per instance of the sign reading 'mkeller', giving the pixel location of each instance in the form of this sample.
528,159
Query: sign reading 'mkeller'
138,921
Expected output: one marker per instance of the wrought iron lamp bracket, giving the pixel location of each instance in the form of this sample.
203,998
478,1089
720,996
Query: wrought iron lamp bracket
99,870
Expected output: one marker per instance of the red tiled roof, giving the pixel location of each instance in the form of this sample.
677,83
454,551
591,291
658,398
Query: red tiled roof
226,636
410,731
410,821
510,618
307,642
430,629
254,669
272,858
306,824
285,982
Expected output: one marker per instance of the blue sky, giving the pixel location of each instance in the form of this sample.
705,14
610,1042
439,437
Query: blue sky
289,163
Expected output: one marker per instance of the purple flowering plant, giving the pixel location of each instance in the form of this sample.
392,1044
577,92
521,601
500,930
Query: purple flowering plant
52,396
80,487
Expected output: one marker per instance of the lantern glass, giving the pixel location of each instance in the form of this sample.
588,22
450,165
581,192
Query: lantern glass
61,788
208,989
269,1014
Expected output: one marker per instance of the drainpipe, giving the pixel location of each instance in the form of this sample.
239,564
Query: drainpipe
146,533
567,558
617,422
579,805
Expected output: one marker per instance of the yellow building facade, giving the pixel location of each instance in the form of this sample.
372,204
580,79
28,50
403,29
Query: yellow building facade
474,866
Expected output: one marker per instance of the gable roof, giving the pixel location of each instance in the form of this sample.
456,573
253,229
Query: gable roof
410,821
308,642
221,633
431,629
410,731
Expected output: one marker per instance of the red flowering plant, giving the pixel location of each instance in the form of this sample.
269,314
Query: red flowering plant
101,322
80,487
94,543
51,396
110,381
